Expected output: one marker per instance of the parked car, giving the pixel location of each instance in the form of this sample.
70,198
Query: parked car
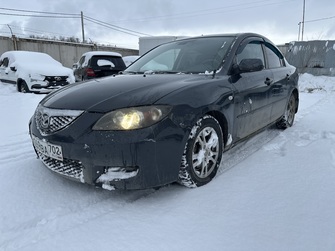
33,71
96,64
128,60
169,116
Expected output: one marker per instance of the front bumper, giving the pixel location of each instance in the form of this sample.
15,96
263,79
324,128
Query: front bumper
136,159
46,86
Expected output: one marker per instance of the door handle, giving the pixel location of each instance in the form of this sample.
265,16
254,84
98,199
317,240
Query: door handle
268,81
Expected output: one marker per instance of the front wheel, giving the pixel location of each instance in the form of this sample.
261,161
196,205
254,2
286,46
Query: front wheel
202,153
23,87
288,118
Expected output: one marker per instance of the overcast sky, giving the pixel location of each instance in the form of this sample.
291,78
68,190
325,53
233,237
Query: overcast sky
276,19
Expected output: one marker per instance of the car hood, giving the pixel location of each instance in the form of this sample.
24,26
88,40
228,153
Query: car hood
42,69
106,94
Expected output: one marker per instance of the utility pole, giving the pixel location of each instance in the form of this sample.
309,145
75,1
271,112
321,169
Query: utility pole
13,38
82,26
303,20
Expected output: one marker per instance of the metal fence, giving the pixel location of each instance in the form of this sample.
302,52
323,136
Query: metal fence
314,57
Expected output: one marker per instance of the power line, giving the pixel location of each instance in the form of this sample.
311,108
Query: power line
204,12
28,15
320,19
40,12
115,27
44,14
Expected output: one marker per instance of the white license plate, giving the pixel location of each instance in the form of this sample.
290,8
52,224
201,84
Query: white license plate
48,149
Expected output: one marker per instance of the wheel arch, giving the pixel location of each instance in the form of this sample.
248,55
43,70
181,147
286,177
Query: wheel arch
223,123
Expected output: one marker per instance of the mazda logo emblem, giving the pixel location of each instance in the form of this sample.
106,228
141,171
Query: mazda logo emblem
45,120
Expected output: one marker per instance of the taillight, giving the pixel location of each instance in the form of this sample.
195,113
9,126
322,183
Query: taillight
90,72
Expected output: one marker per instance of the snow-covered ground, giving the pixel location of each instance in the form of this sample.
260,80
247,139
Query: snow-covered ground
273,192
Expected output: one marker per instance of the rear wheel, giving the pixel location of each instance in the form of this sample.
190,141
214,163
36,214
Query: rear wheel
288,118
202,153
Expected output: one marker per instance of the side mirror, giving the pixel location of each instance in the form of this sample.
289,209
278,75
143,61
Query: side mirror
251,65
13,68
75,66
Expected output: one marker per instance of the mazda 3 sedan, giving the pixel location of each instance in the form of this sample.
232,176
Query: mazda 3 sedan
169,116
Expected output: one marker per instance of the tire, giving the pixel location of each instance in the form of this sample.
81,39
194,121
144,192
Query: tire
202,153
22,87
288,117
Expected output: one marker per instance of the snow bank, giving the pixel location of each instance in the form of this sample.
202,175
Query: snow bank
309,83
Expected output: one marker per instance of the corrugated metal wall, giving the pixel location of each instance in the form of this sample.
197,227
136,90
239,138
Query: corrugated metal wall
314,57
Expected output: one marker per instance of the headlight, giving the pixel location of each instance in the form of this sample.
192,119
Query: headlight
34,77
132,118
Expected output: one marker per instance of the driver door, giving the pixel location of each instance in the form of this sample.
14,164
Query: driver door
252,111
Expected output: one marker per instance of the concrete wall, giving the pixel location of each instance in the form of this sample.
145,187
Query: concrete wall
65,52
314,57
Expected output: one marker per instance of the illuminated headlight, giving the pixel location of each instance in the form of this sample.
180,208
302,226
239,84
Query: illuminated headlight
132,118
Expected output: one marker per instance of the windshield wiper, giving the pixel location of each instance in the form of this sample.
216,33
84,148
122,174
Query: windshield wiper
129,72
161,72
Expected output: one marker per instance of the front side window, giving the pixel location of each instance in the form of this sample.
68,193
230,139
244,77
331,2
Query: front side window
5,62
252,50
81,61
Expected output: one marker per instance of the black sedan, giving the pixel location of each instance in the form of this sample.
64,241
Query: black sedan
169,116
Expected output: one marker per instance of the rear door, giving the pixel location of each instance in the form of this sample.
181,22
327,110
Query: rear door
280,88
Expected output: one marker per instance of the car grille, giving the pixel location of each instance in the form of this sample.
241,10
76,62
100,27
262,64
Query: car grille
56,79
69,168
49,121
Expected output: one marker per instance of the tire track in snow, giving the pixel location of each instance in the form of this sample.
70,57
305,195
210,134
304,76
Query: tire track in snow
38,229
20,147
305,135
245,149
326,98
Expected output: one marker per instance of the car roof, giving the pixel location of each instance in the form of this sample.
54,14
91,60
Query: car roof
238,36
23,54
26,56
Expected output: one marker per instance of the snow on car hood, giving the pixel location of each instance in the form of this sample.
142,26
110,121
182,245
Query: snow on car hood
103,95
42,69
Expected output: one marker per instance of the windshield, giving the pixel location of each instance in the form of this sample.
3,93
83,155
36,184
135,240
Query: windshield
196,55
